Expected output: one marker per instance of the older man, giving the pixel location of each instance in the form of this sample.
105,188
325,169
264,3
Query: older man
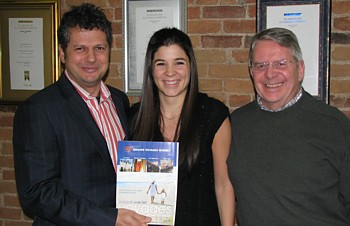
290,158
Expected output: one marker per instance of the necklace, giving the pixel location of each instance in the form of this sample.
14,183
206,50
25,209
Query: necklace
170,130
170,118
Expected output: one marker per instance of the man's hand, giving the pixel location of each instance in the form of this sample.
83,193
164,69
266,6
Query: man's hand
130,218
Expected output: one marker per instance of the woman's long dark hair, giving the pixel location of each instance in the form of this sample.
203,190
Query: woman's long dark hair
149,117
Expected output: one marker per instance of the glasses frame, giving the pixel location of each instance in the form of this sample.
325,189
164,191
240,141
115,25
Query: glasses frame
274,65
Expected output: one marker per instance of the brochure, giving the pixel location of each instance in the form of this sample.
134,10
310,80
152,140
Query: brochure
147,174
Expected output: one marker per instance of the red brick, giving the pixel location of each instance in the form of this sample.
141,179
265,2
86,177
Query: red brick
340,101
116,4
340,38
10,213
8,187
229,2
239,100
229,71
251,11
243,86
196,41
202,71
342,24
223,12
6,160
6,120
210,84
74,3
340,86
117,27
109,13
239,26
116,56
341,54
191,2
210,56
100,3
340,71
341,7
8,175
241,56
118,13
7,148
113,72
207,2
11,200
18,223
218,95
8,108
228,41
203,26
118,42
193,12
5,133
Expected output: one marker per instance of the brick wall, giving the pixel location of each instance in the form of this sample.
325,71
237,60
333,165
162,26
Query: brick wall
220,31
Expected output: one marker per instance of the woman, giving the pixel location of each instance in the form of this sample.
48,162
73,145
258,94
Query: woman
152,191
172,109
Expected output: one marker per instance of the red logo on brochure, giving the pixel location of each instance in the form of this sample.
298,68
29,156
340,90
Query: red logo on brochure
128,148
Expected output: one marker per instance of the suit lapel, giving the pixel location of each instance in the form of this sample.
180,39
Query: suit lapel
83,116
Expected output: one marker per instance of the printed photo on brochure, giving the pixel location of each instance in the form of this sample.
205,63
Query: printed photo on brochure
147,174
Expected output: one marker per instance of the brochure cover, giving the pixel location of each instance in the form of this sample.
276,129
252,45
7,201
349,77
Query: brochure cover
147,179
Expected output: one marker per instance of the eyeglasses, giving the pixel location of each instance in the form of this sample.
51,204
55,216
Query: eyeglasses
278,65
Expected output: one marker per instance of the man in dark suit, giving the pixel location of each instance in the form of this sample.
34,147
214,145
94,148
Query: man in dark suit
65,136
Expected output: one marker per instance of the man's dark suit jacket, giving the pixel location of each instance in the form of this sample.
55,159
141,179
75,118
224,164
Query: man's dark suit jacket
64,173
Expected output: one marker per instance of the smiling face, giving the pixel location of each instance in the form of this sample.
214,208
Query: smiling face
171,71
275,86
86,58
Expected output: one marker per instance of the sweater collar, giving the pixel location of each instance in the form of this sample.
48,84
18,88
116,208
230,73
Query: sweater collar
289,104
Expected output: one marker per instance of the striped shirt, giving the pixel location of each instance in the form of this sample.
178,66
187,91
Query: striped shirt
105,115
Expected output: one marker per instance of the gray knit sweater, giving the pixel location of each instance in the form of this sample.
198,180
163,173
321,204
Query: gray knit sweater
291,167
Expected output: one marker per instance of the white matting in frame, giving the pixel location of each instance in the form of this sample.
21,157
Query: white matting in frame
300,19
141,19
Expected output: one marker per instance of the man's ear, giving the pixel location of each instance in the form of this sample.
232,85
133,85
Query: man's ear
61,54
251,73
301,70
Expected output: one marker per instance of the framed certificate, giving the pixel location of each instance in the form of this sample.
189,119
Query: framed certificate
140,20
310,21
28,48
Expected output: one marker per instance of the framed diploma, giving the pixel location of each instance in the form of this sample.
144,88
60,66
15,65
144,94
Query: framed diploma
141,19
310,21
28,47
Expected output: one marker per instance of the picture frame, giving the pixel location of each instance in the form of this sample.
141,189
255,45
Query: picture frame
310,21
141,18
28,48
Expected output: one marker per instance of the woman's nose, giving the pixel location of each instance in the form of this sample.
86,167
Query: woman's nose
170,71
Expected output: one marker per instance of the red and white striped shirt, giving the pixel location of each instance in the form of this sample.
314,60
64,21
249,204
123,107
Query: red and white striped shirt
105,115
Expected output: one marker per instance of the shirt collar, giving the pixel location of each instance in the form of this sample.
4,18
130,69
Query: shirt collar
289,104
104,91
